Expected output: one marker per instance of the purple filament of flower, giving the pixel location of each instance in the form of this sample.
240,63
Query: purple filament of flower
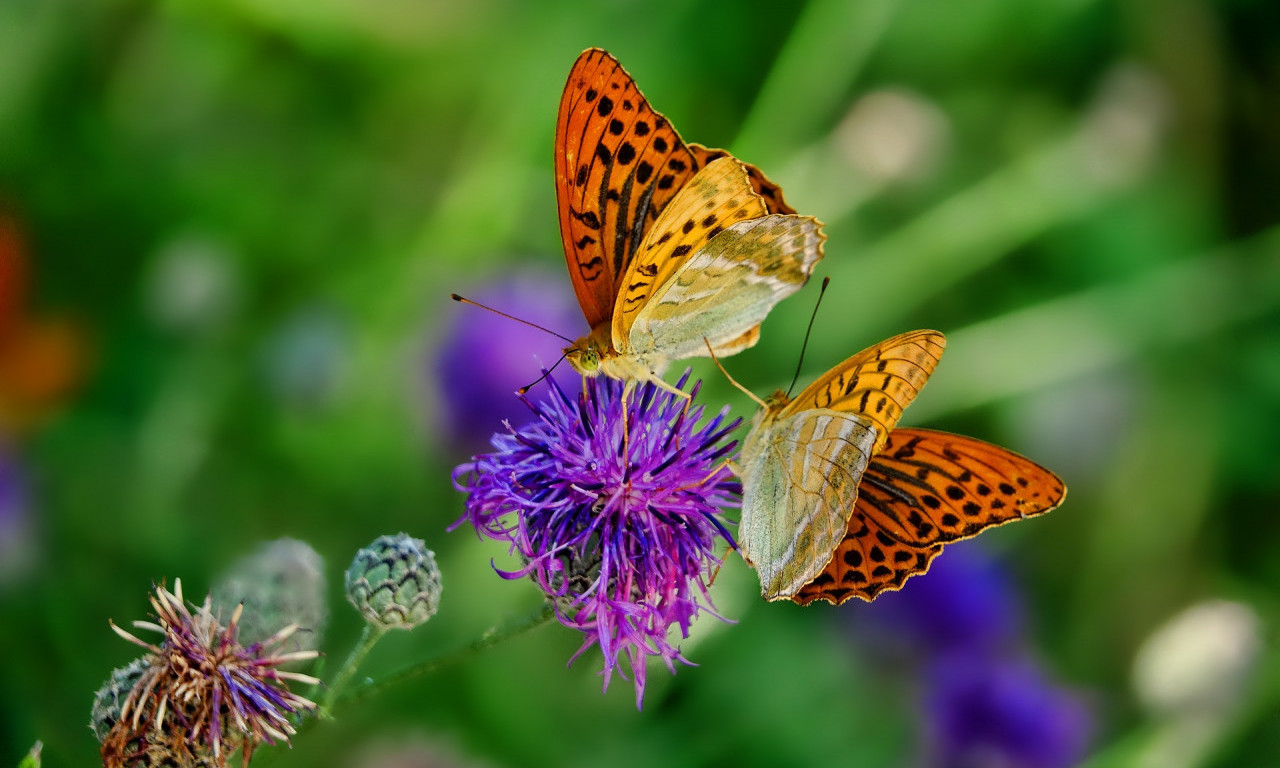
620,530
254,698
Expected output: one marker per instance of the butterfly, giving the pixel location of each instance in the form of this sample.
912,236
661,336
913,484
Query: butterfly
670,246
837,502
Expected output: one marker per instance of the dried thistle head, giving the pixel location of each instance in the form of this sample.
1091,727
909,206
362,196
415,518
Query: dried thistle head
202,696
281,582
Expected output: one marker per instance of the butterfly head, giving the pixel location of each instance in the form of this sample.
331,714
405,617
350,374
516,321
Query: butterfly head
584,357
587,353
776,402
773,405
761,422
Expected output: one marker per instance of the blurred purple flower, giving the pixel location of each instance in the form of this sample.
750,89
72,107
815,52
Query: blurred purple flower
965,603
15,518
485,357
991,712
621,533
985,704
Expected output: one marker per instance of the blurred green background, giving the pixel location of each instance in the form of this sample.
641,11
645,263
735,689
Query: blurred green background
249,214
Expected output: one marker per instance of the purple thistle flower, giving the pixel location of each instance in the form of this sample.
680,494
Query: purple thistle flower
203,691
993,711
483,357
621,533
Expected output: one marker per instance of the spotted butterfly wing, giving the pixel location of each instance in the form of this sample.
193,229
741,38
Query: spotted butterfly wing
878,383
933,487
772,193
717,196
803,459
923,490
710,270
618,163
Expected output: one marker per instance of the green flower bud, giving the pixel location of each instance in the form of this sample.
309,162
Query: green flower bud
394,582
110,697
282,583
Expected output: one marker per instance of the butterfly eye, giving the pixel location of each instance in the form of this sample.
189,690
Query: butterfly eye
584,359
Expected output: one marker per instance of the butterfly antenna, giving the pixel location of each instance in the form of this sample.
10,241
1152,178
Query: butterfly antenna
544,375
464,300
800,363
732,380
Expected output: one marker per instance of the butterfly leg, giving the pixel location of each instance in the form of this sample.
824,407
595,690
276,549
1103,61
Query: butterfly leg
730,463
627,388
715,573
715,359
660,383
733,545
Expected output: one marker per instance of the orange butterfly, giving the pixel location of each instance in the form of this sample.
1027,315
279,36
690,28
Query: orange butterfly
837,502
670,246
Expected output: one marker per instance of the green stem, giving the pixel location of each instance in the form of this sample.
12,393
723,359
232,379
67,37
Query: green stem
489,639
371,635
